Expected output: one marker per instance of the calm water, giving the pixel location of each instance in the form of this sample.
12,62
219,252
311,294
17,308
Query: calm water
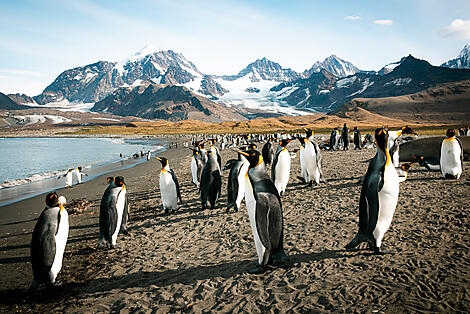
27,162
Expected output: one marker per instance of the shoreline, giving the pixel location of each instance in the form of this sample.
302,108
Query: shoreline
12,194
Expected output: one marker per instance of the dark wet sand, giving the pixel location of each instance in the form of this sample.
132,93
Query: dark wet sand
197,261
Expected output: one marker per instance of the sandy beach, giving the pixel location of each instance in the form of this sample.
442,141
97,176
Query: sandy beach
197,261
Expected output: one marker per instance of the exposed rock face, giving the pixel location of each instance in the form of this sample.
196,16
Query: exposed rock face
210,87
462,61
8,104
168,102
252,90
22,99
264,69
334,65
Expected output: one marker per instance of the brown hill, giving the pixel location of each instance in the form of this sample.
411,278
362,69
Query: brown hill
443,104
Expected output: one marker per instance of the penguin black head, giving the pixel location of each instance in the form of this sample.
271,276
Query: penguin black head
52,199
119,181
253,156
417,157
450,133
163,161
381,138
308,132
407,130
301,140
284,143
79,168
406,167
109,180
252,146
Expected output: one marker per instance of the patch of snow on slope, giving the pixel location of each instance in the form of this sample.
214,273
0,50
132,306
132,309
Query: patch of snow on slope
367,83
399,81
38,119
345,82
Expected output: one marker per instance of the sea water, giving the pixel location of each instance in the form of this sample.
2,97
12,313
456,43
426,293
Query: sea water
24,161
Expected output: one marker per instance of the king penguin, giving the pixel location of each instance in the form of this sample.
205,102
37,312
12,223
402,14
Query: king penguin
379,197
268,152
451,156
237,181
265,213
430,163
280,170
197,164
211,182
48,241
68,178
308,162
169,187
112,208
311,138
215,151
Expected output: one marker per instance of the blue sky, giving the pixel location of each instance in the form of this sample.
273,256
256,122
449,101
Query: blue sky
40,39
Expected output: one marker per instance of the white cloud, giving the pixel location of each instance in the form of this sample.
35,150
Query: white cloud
383,22
20,72
458,28
352,17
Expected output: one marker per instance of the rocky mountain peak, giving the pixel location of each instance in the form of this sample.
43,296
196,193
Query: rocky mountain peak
462,61
265,69
334,65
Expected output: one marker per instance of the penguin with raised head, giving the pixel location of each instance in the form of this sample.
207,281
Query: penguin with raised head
48,241
211,182
268,152
379,197
265,213
280,170
393,137
79,174
237,181
318,154
215,150
169,187
308,162
451,156
112,209
430,163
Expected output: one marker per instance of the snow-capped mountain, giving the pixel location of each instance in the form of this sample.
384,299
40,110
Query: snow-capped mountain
264,69
323,91
462,61
390,67
334,65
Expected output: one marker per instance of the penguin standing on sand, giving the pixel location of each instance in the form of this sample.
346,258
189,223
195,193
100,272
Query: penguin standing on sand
215,150
211,182
268,152
237,181
280,170
308,162
265,213
68,178
169,187
345,137
79,174
318,155
451,156
379,197
334,139
125,214
48,241
112,208
197,164
357,138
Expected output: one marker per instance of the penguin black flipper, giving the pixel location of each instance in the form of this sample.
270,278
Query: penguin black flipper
461,153
43,247
112,220
273,168
178,191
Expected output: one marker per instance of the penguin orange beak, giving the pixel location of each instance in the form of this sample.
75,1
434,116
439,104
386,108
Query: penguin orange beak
243,153
158,158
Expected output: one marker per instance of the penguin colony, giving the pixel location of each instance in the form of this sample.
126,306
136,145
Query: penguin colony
249,180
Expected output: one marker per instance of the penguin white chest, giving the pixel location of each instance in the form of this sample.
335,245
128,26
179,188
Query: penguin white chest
251,208
68,179
308,163
60,242
388,198
194,171
121,199
168,190
243,183
282,171
450,157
